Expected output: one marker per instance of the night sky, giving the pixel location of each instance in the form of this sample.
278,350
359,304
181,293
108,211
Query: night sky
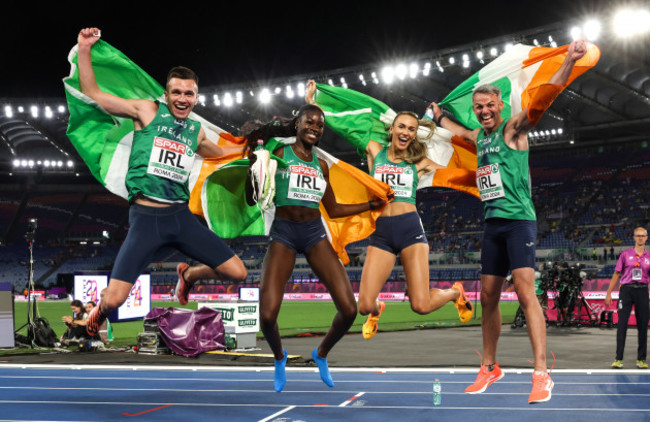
232,44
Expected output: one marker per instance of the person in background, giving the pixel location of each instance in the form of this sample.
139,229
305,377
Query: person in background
633,270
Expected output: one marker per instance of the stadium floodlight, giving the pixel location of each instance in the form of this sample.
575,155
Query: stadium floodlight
330,82
479,55
536,42
576,32
388,74
46,163
202,99
239,97
414,69
591,29
30,163
400,71
494,52
16,163
278,90
48,112
452,60
8,111
553,44
23,163
289,92
21,109
227,99
61,109
216,100
70,163
553,131
560,131
629,22
465,64
301,89
361,77
59,163
34,110
265,96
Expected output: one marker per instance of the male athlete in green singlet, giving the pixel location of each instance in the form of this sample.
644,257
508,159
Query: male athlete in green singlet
164,143
510,234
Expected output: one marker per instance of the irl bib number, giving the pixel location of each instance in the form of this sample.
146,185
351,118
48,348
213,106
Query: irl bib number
488,181
170,159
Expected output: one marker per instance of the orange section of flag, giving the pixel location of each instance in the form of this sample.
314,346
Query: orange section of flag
353,186
539,95
232,150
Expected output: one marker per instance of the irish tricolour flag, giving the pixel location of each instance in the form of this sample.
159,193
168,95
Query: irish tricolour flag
519,73
104,141
224,194
359,118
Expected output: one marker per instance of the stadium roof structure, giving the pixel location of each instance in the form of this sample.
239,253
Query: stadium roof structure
610,103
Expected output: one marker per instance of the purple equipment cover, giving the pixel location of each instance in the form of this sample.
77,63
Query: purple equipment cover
187,332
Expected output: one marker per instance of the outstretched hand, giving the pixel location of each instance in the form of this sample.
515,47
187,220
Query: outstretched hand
88,37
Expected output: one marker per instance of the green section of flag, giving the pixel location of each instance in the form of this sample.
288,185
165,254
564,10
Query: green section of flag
93,132
354,116
459,101
224,203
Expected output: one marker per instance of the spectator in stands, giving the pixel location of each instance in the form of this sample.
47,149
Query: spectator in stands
76,323
633,270
159,215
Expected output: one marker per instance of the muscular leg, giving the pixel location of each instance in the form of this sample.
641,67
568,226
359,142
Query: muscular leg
491,319
376,270
276,270
415,259
524,282
328,269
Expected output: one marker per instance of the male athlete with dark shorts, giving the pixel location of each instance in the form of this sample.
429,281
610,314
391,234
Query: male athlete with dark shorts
165,141
511,227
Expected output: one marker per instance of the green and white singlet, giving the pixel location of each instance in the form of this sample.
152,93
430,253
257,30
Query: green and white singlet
161,158
301,183
401,177
503,178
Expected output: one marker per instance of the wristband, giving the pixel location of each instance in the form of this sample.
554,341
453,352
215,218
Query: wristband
371,206
440,119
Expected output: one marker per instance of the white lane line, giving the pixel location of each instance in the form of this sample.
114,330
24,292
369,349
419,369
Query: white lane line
268,418
351,399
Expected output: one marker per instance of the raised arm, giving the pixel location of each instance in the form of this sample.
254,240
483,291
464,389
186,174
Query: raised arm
138,110
450,125
521,123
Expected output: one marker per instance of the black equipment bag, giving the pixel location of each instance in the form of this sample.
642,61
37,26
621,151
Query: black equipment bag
43,334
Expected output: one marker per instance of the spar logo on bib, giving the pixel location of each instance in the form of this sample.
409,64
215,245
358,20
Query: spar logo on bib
305,184
170,159
488,181
400,179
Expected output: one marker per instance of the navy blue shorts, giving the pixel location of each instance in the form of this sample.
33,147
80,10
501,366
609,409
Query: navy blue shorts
508,245
151,228
299,236
394,234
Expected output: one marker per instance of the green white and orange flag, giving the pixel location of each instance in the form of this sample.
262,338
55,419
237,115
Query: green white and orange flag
359,118
104,141
224,193
522,73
